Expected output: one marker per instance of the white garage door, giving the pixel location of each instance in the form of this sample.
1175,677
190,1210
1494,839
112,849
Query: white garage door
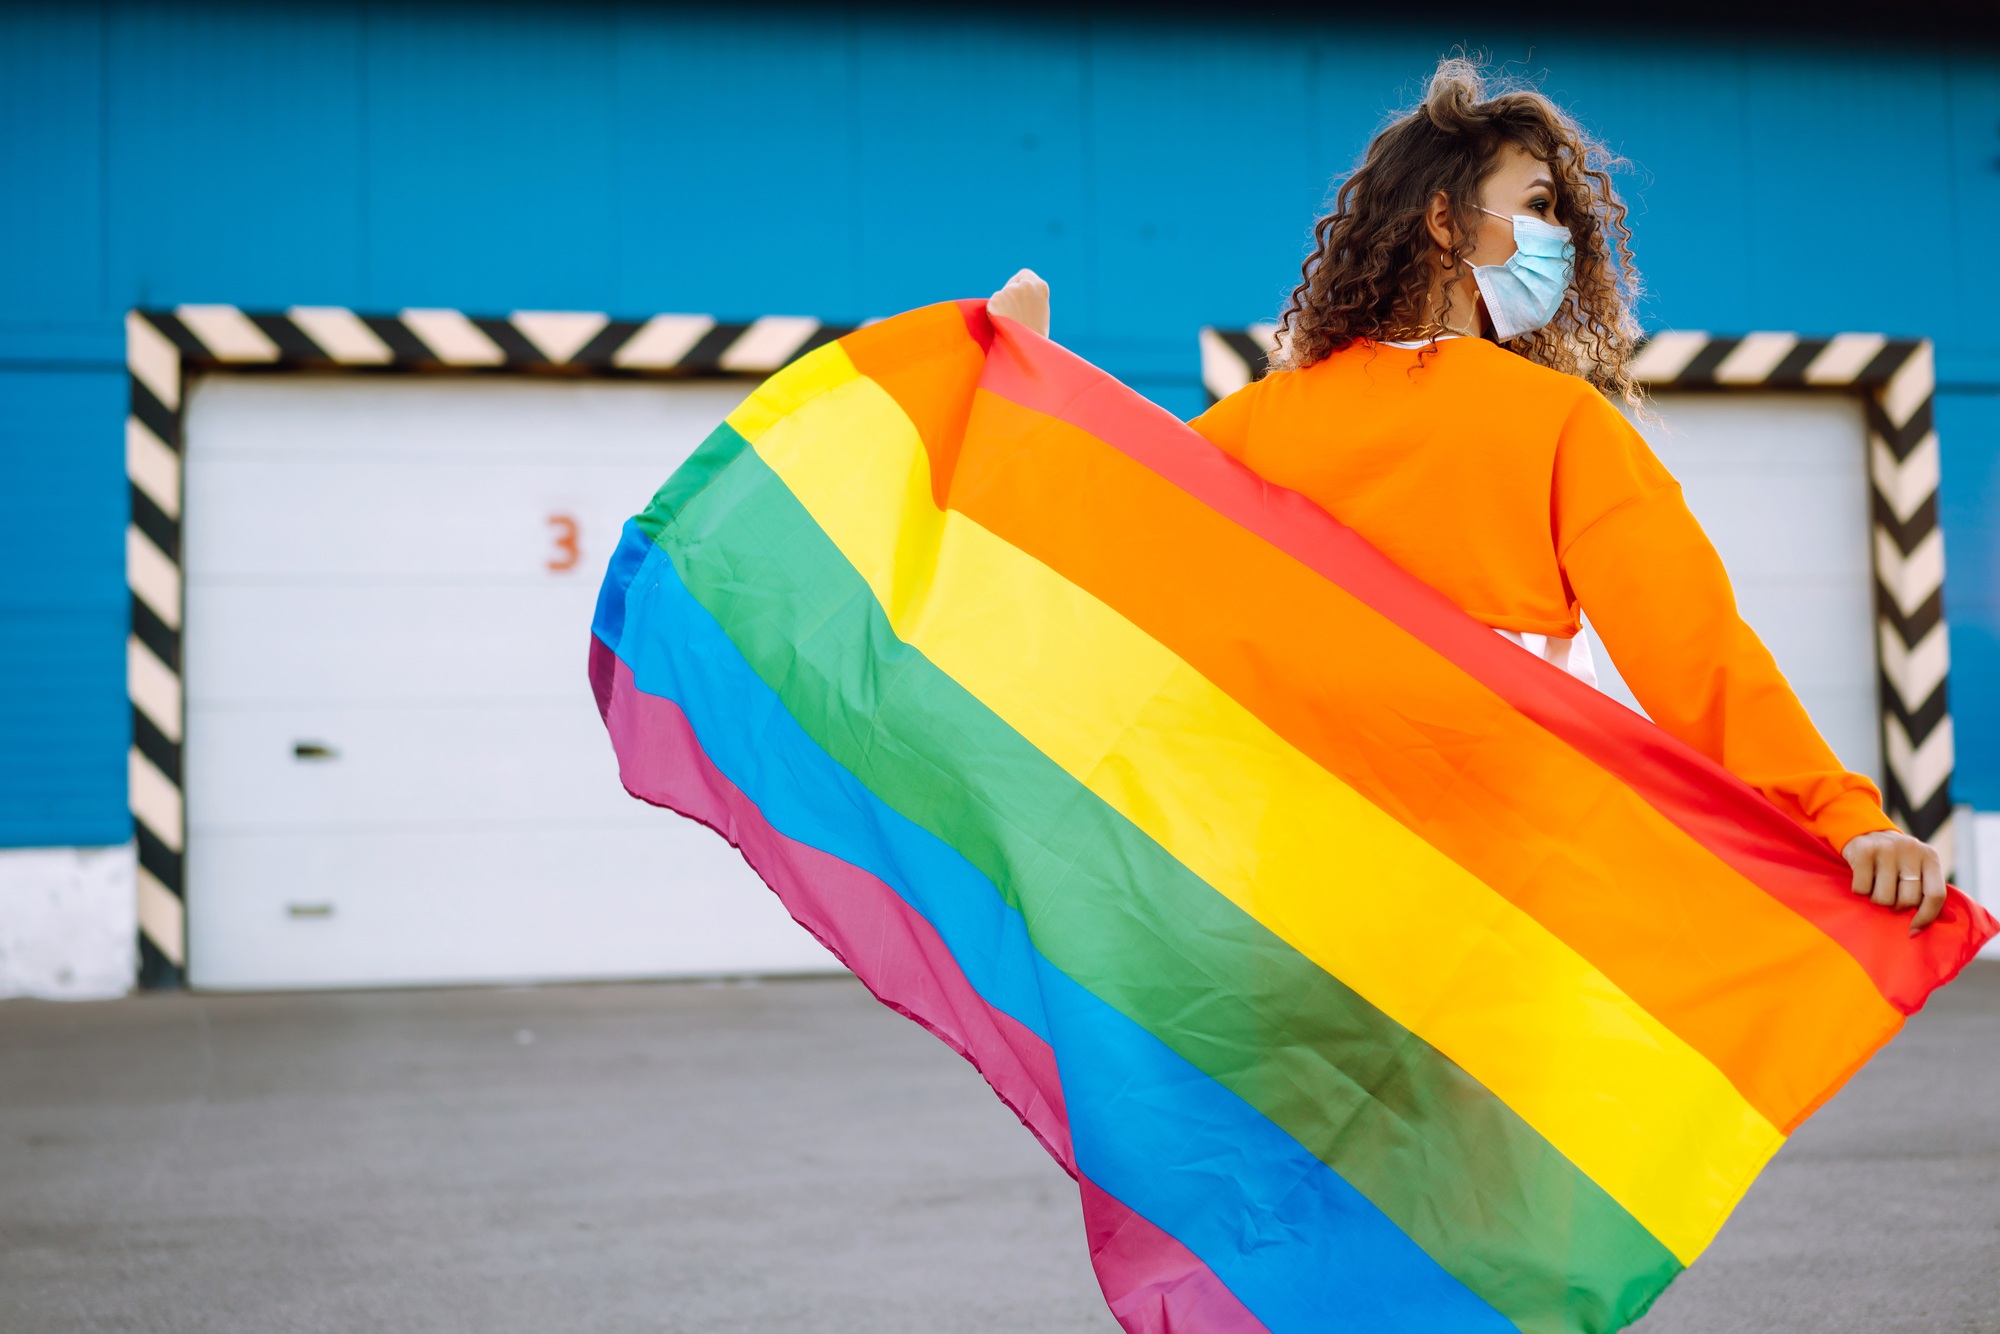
395,770
1780,483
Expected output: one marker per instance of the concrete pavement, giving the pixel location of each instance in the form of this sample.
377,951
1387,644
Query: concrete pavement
783,1156
1882,1214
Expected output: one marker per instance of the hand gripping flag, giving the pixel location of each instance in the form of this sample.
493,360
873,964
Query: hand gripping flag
1366,972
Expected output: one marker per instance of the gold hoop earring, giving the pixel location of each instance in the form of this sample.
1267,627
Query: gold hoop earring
1450,260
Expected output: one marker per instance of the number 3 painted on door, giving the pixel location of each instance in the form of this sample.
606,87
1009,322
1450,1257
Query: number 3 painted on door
566,554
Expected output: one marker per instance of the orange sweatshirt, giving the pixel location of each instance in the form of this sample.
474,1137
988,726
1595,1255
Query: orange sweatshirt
1523,496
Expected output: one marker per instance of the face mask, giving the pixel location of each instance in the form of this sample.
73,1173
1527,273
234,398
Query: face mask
1525,293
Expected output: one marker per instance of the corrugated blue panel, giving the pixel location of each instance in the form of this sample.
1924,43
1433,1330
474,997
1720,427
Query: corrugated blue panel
972,159
735,188
234,162
491,133
1179,231
1821,129
1163,172
64,722
1966,248
1969,504
51,166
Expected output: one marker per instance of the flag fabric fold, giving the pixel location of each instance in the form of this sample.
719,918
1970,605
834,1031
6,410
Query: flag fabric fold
1365,971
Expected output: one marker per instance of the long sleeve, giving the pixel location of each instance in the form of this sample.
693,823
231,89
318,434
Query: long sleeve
1657,593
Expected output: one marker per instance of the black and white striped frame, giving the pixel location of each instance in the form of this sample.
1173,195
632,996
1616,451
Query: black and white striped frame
1896,381
164,347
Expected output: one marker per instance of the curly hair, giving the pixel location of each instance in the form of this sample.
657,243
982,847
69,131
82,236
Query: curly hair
1368,276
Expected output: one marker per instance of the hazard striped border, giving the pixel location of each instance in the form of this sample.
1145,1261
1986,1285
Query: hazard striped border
1896,380
164,347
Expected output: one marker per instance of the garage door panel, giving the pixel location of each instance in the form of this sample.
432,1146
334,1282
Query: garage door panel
1782,434
1759,528
350,645
370,571
1851,728
1780,484
369,576
1817,629
412,766
477,420
413,907
407,521
1779,481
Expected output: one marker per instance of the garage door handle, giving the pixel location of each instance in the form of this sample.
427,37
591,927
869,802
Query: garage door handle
313,750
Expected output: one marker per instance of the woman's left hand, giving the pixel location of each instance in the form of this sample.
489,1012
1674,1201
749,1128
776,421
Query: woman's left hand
1024,298
1897,871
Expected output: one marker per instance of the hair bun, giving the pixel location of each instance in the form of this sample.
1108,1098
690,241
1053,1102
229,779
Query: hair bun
1456,89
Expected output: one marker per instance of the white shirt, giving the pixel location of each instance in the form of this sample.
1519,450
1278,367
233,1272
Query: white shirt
1417,343
1572,655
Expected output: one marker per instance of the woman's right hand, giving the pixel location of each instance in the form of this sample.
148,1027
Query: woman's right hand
1897,872
1025,298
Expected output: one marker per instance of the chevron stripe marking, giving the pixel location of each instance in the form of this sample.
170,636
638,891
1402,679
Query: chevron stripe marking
153,360
1920,721
342,333
1911,386
294,344
1845,357
1222,371
558,334
153,467
1921,770
156,799
1907,534
1790,373
768,343
1945,839
515,348
1752,360
1911,579
662,342
1925,818
1666,355
1915,672
227,333
1902,439
157,857
1911,625
154,578
452,338
154,687
163,918
1905,485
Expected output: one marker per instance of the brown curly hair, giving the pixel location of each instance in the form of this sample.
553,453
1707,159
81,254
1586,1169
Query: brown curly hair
1369,276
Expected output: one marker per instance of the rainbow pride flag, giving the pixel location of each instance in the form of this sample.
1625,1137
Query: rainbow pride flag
1365,971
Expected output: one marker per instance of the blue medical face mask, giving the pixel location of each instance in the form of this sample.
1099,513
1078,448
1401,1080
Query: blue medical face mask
1525,293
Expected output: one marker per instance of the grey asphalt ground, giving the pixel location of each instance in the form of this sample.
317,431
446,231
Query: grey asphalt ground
783,1156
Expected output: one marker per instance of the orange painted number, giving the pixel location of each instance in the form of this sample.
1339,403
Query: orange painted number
566,554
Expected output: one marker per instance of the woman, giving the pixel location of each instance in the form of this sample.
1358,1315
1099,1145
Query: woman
1443,386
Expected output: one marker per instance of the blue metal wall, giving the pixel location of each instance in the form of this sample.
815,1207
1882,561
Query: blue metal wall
850,163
